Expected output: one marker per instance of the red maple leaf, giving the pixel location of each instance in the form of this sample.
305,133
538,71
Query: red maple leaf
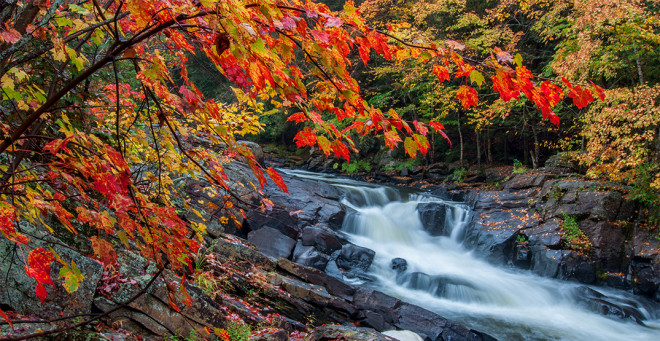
420,127
305,137
39,268
277,178
581,96
439,128
441,72
468,96
298,117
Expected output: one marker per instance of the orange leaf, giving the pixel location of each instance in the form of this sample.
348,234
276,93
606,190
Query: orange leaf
103,250
441,72
552,92
277,179
298,117
439,128
599,91
341,150
468,96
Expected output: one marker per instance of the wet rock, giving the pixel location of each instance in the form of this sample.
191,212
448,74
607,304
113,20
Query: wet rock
548,234
272,242
378,303
493,233
607,239
563,264
399,265
355,258
645,279
526,180
432,215
309,292
500,200
347,333
321,237
310,256
333,285
522,256
611,306
236,250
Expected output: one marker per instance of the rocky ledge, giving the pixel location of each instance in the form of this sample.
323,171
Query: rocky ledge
561,227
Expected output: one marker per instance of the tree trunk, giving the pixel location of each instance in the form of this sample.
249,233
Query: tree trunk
535,155
640,74
460,138
489,150
478,149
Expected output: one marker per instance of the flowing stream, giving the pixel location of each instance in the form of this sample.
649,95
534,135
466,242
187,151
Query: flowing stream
445,277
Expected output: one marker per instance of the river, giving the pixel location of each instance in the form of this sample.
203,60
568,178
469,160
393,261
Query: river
444,276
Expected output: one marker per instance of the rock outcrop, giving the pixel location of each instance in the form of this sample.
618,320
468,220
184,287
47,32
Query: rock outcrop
524,224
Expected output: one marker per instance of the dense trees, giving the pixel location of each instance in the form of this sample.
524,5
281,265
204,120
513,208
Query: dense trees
101,118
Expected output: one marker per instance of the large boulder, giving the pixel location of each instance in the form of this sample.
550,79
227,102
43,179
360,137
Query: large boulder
322,238
493,233
18,290
310,256
355,258
272,242
432,215
148,312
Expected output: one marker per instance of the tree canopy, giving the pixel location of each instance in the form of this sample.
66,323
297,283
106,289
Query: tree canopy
101,118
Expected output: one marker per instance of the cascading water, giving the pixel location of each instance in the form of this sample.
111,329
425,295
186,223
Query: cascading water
443,276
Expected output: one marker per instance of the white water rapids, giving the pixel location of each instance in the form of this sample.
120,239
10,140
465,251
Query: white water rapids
444,277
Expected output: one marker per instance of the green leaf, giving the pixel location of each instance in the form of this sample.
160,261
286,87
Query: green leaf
72,277
410,147
477,77
518,59
259,46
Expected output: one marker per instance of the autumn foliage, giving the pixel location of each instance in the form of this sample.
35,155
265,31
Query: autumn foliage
100,118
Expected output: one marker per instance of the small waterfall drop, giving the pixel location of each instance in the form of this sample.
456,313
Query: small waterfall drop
443,276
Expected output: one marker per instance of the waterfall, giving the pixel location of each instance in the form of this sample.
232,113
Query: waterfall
445,277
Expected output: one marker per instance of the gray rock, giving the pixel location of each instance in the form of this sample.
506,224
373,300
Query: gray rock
493,233
353,257
347,333
321,237
18,290
310,256
272,242
526,180
548,234
399,265
432,215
